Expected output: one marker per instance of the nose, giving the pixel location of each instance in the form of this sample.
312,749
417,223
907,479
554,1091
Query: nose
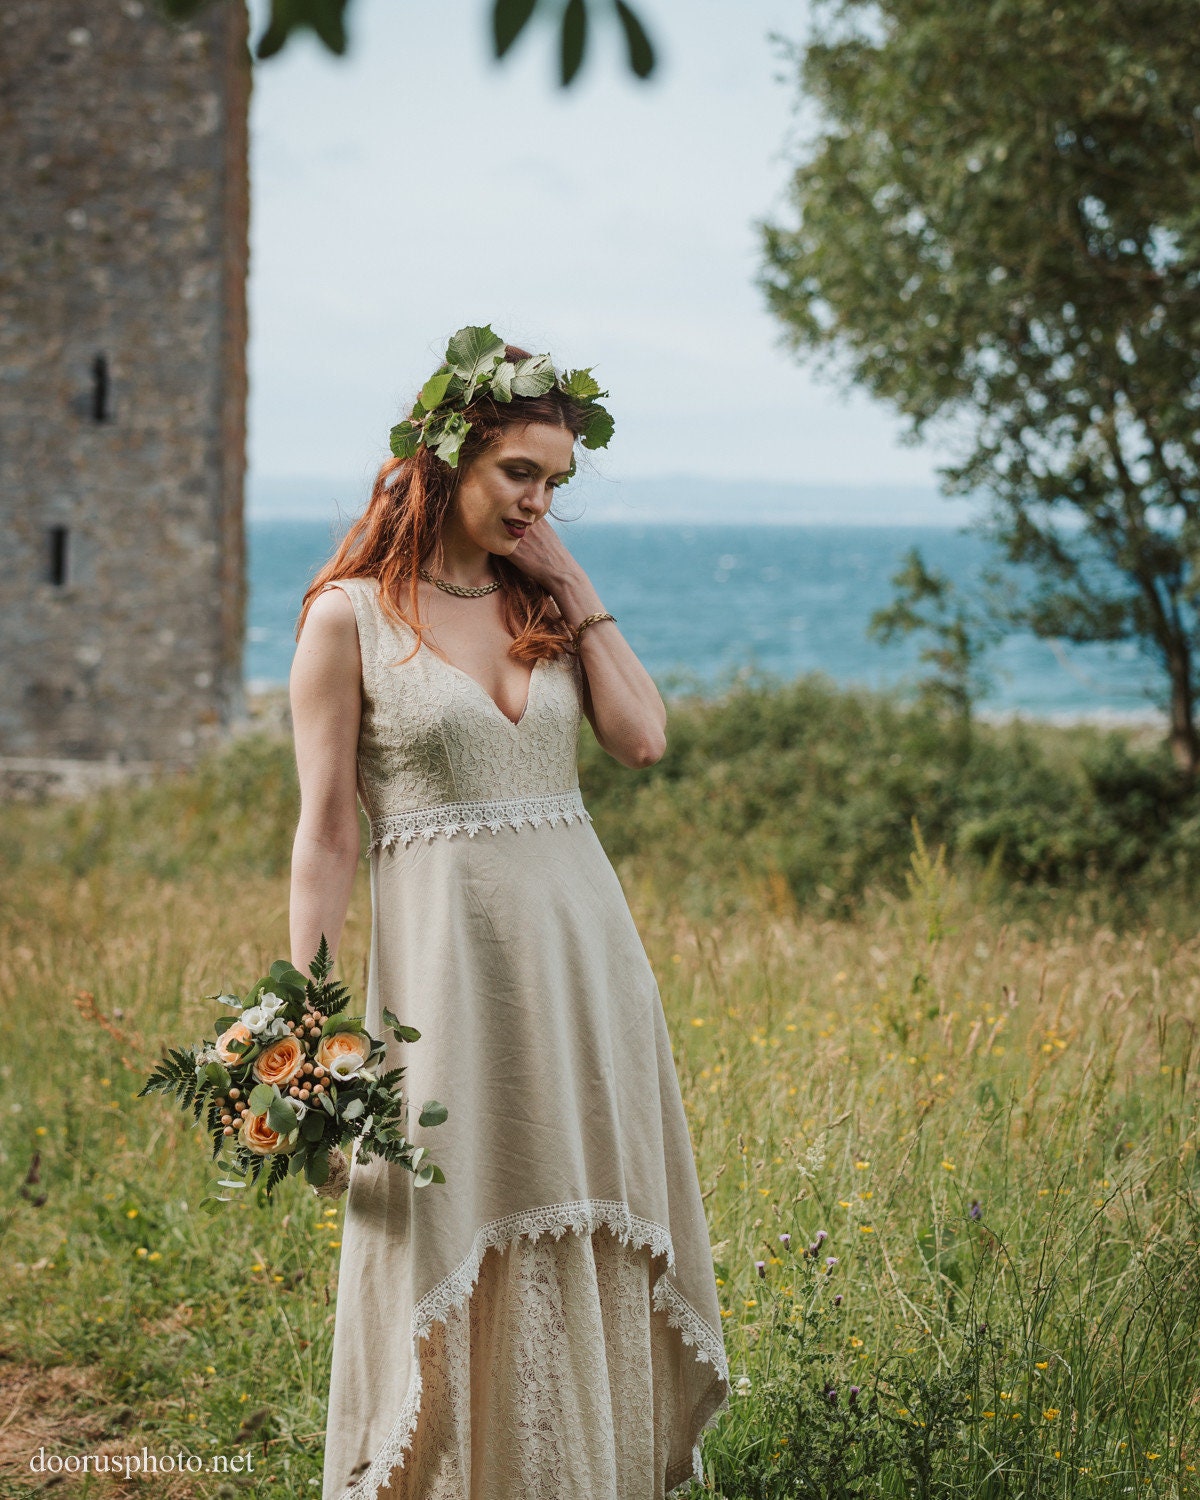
535,502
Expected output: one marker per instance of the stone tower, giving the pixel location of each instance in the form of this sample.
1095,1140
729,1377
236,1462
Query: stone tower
123,258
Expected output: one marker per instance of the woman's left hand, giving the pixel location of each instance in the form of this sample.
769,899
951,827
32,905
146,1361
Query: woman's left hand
543,554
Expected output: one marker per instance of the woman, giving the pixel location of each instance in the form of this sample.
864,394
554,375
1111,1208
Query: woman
544,1324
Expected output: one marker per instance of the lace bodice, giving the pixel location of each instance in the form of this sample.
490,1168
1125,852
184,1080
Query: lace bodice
437,756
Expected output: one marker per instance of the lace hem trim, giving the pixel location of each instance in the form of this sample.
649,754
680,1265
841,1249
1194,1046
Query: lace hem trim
472,817
584,1217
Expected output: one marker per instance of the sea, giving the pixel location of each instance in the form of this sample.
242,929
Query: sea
702,604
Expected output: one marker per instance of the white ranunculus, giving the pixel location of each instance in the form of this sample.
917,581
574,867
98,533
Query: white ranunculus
345,1067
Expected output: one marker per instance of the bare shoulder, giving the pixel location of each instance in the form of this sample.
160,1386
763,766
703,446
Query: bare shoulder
328,660
330,612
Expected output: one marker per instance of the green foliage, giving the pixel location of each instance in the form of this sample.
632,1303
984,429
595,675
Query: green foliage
926,602
326,19
475,364
995,231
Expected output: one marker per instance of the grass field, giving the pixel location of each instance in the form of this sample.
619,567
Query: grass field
985,1103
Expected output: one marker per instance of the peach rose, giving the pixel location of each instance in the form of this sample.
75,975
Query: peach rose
343,1044
236,1033
280,1062
257,1136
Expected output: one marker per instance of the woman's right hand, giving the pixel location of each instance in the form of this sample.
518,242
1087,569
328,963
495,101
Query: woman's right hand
326,699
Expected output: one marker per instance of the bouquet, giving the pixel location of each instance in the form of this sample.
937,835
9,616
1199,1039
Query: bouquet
289,1080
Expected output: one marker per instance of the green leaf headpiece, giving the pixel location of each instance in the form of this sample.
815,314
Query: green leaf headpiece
475,363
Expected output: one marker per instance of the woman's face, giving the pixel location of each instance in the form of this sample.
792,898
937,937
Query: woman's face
510,485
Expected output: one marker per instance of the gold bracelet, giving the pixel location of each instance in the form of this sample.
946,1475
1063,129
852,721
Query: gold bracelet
595,619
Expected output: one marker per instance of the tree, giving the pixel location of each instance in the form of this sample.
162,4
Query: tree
998,232
327,20
957,636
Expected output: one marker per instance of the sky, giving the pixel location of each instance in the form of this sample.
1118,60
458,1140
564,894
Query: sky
415,186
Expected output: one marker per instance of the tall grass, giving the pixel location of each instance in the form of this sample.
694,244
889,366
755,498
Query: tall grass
985,1102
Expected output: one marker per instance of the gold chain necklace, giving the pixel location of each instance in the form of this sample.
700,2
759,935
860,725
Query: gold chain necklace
464,591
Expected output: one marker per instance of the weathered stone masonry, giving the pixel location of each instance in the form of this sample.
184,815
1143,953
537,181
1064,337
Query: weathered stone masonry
123,259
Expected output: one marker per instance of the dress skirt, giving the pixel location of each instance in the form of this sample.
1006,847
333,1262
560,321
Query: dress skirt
543,1325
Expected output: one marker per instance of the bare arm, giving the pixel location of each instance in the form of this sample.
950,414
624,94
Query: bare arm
326,700
620,699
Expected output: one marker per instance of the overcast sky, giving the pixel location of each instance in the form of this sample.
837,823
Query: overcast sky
415,186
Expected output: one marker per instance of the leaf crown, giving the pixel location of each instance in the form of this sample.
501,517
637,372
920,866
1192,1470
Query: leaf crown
476,364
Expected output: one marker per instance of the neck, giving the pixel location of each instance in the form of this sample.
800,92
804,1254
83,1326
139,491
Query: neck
463,561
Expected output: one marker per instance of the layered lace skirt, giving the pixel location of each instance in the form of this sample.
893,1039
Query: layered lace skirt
543,1385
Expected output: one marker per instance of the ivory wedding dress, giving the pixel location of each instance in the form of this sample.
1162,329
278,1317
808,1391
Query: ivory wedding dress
544,1325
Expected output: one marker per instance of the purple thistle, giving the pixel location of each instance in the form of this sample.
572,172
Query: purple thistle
830,1262
786,1241
821,1237
976,1209
853,1394
831,1395
837,1301
761,1267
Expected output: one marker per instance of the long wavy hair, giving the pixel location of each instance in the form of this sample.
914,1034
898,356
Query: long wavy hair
401,528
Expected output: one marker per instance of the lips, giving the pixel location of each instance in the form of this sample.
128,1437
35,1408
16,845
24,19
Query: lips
515,528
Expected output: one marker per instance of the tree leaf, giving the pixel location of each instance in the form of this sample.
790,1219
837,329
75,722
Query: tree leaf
573,40
433,1113
509,19
533,376
312,1127
451,439
598,428
581,385
433,392
316,1168
637,43
473,351
404,439
501,382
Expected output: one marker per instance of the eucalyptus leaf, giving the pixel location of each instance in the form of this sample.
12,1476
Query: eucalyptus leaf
212,1205
261,1097
216,1075
316,1168
353,1109
312,1127
425,1176
404,1033
433,1113
327,1104
638,46
281,1117
332,1025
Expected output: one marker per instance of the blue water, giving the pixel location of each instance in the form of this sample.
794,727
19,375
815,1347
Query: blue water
698,602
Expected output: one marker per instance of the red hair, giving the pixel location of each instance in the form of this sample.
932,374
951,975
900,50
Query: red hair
401,528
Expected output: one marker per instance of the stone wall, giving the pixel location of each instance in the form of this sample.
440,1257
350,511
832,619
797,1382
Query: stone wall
123,258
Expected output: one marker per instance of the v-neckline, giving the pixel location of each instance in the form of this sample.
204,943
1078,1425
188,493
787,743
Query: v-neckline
512,723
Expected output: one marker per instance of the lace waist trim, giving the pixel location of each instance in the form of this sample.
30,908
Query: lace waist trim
557,1219
473,817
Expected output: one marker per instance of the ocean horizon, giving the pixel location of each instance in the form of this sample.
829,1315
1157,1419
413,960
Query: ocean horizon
702,602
